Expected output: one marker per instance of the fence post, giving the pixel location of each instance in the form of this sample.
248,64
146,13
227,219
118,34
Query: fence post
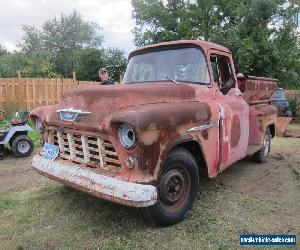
34,99
74,78
27,94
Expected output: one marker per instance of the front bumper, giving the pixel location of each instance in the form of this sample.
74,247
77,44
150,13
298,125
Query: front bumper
92,182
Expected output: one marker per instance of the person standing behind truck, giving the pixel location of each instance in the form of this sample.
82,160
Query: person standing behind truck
104,77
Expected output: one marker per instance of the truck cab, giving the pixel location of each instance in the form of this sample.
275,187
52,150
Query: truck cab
180,108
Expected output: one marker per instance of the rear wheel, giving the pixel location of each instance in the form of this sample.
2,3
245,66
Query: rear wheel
263,154
22,146
177,188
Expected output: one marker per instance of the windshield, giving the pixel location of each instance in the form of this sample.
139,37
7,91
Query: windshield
181,65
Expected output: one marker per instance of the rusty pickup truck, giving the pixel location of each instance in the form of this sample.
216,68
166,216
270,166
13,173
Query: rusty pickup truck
180,108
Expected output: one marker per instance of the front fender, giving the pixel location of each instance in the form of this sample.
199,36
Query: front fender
42,112
159,127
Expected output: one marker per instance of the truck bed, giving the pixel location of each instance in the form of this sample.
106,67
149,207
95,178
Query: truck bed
257,89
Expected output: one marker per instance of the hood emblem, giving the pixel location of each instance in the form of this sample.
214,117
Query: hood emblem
71,114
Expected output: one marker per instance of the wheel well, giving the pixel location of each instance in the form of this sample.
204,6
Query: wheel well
194,148
17,134
272,130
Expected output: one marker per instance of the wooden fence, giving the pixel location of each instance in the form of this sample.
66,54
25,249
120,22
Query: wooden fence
294,95
30,93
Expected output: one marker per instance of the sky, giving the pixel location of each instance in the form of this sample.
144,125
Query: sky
114,16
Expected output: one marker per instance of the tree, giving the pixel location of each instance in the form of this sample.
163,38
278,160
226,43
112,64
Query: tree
32,42
115,62
260,33
156,21
60,38
89,60
3,50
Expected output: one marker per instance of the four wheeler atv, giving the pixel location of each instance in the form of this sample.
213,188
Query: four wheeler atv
16,135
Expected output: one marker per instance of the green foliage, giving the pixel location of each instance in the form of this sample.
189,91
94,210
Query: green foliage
89,61
157,21
59,39
5,122
35,136
115,62
3,50
260,33
10,112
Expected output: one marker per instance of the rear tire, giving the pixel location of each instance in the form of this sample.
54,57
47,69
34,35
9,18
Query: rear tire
262,155
177,189
22,146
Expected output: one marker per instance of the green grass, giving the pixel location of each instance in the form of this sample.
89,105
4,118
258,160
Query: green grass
5,122
7,202
34,135
37,213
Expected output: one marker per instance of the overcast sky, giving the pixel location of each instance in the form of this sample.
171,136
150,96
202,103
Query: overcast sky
114,16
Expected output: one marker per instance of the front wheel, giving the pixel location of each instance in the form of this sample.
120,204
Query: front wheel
263,154
22,146
177,188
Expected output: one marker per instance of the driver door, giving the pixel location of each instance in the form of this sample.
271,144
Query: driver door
234,111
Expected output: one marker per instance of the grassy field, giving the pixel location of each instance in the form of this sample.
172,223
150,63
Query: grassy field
37,213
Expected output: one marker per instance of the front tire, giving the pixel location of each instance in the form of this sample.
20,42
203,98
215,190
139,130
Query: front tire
177,188
22,146
262,155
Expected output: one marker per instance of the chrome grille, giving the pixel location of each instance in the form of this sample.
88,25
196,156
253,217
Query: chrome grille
84,149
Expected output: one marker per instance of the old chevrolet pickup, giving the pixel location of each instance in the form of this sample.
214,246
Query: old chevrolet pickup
180,108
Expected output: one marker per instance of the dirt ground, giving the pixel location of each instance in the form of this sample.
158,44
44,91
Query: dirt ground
37,213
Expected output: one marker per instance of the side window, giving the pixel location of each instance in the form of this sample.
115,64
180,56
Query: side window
215,69
222,73
225,72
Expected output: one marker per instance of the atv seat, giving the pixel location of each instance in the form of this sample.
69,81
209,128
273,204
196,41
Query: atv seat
21,121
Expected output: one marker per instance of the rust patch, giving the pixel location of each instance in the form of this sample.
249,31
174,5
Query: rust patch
205,135
235,131
258,89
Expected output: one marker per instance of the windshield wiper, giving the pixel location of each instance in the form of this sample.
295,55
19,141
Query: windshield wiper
171,79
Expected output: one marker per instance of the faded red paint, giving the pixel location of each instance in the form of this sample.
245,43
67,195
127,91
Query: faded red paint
162,114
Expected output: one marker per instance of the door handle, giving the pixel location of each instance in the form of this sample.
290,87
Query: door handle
239,94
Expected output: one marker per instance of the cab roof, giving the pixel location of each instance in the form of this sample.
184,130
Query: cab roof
198,43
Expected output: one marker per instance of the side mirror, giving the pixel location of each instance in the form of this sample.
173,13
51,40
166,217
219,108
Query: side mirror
240,76
226,87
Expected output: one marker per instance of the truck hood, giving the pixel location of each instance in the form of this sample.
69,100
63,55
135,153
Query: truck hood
103,101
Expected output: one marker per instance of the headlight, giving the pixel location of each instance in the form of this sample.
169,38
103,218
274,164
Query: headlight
39,125
127,136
